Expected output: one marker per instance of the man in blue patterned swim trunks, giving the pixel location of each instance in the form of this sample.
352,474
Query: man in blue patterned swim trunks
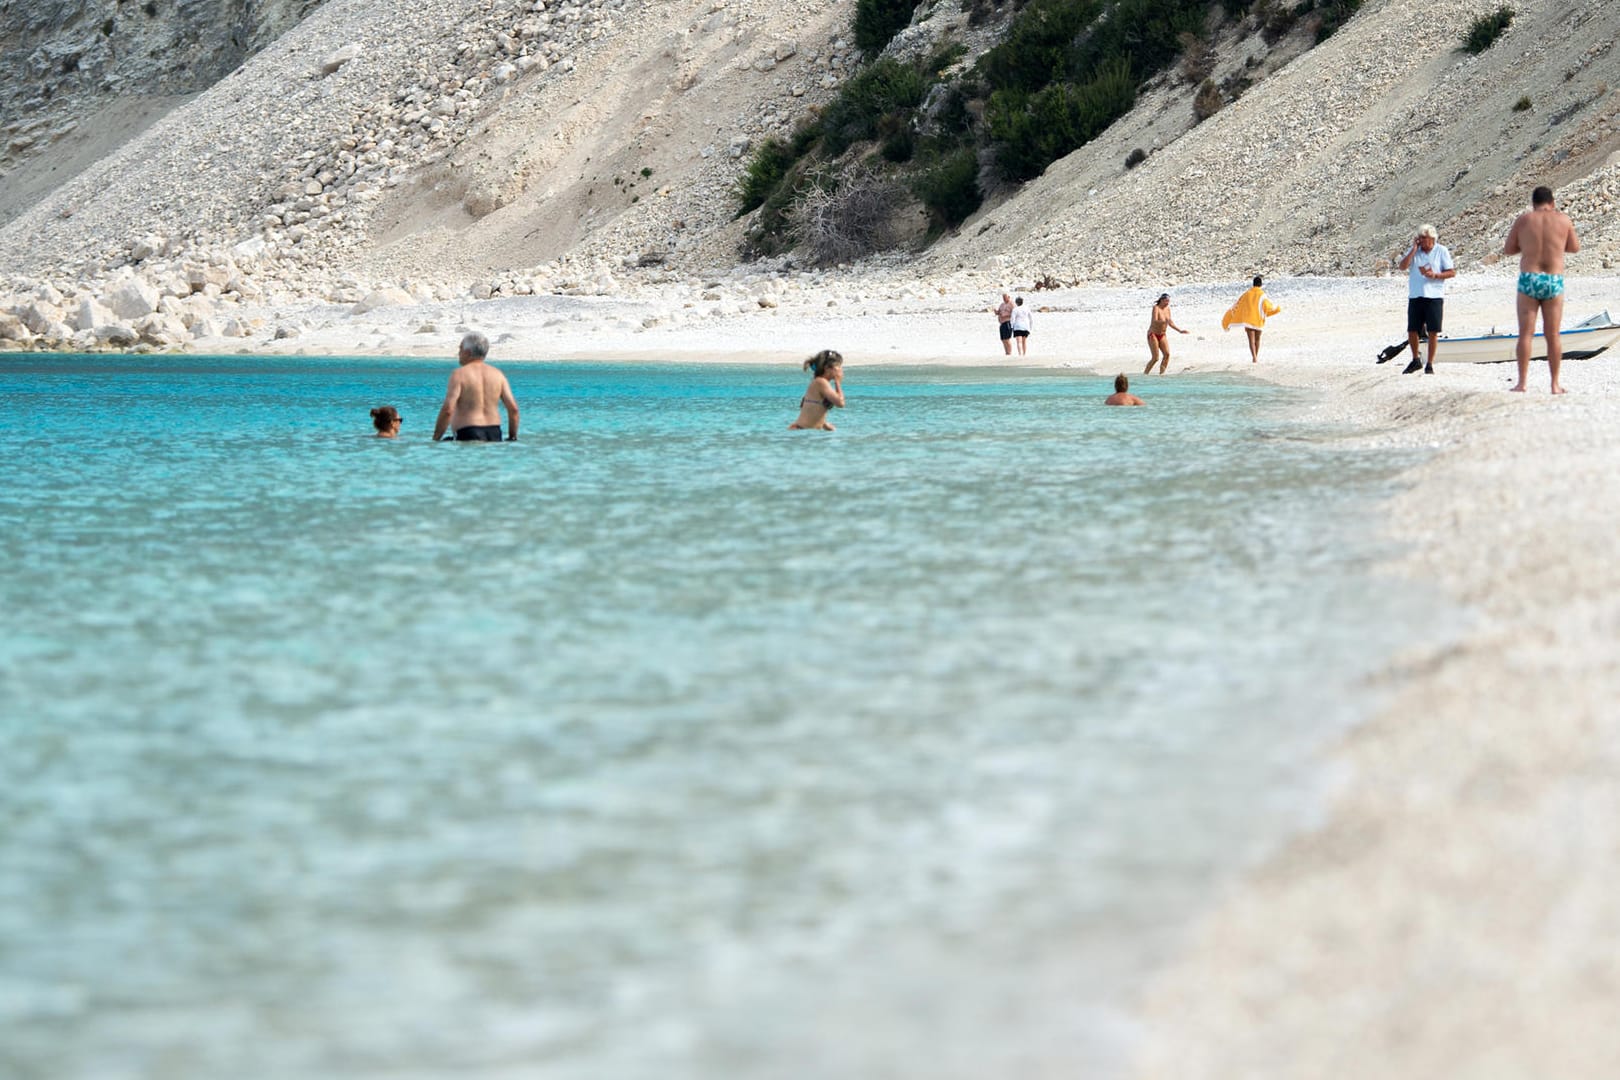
1541,286
1541,237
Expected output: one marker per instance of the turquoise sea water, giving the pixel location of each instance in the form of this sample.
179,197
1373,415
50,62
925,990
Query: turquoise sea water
661,743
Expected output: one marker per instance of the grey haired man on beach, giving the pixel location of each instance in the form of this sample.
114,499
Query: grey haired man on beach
472,402
1541,237
1429,266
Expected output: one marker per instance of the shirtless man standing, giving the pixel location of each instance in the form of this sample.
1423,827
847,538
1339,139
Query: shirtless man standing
470,405
1004,313
1541,237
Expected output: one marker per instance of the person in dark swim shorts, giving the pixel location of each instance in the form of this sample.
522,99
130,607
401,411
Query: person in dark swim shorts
1428,265
472,403
1004,313
479,433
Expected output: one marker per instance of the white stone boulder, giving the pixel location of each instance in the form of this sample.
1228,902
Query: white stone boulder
131,299
335,60
163,331
146,247
117,334
91,315
205,326
250,250
13,329
38,315
389,296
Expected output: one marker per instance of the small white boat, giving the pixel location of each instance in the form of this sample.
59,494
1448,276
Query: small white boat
1582,341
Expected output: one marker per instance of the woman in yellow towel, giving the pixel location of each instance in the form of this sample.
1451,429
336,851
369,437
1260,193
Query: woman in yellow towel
1251,312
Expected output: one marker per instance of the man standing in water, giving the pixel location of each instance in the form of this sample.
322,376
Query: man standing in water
1429,265
472,403
1541,237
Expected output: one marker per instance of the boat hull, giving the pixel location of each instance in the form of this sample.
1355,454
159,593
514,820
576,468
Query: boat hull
1579,344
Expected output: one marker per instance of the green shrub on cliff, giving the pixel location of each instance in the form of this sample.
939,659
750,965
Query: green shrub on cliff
877,21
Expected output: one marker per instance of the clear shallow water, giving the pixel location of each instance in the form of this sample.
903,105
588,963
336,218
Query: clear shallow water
663,743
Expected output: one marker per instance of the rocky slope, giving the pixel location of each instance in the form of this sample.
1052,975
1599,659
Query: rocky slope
1329,165
451,148
79,77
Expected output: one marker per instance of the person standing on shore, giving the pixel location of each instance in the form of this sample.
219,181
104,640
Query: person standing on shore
1251,312
472,402
1004,313
1541,237
1122,393
1022,322
1429,266
1159,321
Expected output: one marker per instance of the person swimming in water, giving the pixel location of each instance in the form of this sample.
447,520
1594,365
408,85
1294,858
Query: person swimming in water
1122,393
386,420
826,392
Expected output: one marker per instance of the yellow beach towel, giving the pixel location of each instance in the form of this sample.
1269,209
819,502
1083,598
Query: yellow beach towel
1252,309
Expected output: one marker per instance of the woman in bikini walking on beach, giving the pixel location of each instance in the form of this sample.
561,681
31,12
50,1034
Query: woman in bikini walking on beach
1159,321
825,394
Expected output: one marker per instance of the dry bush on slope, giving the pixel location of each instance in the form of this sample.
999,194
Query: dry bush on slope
847,220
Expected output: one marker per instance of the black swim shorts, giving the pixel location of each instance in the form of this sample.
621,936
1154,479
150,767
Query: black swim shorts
479,433
1020,333
1006,331
1423,314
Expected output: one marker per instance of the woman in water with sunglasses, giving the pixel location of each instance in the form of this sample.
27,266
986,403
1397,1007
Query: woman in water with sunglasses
386,419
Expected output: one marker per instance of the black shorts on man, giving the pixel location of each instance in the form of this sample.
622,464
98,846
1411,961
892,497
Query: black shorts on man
1006,331
1423,314
479,433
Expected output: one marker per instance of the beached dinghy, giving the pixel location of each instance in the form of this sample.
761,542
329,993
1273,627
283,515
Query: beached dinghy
1582,341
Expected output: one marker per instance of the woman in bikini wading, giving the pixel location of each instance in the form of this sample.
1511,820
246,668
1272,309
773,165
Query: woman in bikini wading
825,394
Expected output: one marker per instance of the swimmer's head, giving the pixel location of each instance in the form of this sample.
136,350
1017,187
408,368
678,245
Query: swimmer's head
1542,196
823,362
475,346
1121,383
385,417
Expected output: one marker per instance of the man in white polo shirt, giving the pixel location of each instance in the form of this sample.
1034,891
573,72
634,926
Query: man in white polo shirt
1428,265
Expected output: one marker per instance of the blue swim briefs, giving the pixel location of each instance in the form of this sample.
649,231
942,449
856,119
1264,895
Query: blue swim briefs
1541,286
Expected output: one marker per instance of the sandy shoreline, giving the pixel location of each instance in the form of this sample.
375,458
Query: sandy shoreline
1455,915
